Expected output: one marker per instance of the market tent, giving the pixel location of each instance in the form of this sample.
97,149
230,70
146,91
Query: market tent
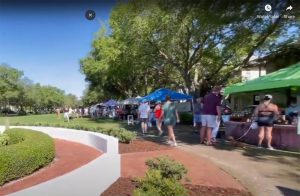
111,103
283,78
160,95
130,101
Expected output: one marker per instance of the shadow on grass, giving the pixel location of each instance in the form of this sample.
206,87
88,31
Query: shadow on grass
103,120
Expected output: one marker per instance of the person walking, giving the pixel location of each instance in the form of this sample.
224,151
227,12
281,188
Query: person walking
211,114
143,115
66,114
158,116
265,115
171,116
197,114
57,113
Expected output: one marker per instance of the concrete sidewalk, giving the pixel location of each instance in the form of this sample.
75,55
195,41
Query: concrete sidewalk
262,172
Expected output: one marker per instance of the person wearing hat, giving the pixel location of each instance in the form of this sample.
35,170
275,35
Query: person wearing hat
158,116
265,114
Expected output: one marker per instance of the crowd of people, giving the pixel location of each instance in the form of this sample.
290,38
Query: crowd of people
166,113
208,114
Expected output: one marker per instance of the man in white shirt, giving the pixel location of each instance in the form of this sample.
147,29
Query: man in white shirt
143,115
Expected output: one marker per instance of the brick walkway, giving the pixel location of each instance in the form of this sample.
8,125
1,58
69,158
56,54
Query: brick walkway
200,171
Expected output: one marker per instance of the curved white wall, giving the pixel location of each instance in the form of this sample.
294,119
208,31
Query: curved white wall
90,179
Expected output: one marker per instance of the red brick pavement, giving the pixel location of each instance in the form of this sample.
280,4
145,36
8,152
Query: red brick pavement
200,171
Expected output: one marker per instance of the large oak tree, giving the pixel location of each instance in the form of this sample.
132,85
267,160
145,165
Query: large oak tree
188,45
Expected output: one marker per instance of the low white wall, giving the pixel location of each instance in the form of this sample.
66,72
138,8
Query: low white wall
2,128
90,179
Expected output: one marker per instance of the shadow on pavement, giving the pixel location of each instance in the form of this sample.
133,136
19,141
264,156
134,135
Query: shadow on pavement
188,135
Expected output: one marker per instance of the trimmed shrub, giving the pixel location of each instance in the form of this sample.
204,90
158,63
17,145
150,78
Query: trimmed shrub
155,184
4,139
127,136
168,167
15,136
161,181
124,135
27,151
186,118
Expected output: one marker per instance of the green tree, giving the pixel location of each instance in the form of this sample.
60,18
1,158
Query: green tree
19,91
10,85
188,45
71,101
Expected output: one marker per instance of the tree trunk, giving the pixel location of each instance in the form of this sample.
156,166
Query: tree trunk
146,85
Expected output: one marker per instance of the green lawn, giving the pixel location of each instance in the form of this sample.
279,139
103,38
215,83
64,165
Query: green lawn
51,119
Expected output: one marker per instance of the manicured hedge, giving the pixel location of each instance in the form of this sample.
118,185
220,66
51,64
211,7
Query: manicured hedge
124,135
26,152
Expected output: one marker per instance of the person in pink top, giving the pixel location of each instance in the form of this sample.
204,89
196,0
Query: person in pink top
158,116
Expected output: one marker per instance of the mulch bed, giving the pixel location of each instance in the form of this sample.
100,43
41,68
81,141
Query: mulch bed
122,187
141,145
196,190
125,187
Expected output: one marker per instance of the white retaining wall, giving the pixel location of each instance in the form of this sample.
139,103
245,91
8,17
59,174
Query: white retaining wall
90,179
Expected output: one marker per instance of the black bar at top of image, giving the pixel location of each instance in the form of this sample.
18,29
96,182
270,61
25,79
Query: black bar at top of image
53,2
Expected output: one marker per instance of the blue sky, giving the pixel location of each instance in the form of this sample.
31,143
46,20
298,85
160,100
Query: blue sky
47,40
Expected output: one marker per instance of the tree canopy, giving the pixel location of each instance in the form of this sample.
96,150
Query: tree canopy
19,91
187,45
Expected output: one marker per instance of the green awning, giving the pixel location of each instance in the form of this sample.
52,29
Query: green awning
283,78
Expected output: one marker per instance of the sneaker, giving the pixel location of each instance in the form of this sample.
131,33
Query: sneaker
259,146
169,142
160,133
270,148
174,144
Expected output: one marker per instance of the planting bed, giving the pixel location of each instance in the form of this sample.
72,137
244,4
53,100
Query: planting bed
125,185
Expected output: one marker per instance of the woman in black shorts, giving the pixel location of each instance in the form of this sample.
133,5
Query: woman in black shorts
265,114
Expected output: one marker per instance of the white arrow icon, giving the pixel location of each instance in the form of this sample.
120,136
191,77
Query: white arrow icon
289,8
